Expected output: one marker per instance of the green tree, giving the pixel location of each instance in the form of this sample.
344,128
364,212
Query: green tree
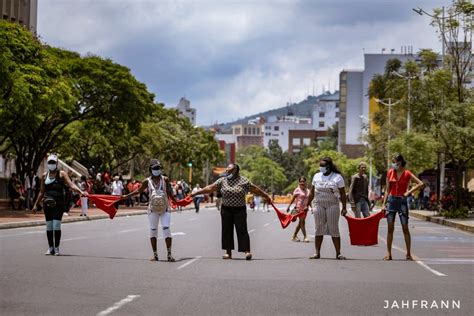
266,173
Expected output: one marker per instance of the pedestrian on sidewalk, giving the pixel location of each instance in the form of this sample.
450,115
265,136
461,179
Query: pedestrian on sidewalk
117,188
84,186
359,192
398,181
234,188
327,189
30,184
198,198
53,197
13,193
300,194
160,190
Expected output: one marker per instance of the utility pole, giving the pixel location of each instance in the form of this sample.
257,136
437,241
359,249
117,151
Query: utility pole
389,106
409,79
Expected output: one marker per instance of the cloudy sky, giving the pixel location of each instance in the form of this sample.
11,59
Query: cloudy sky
236,58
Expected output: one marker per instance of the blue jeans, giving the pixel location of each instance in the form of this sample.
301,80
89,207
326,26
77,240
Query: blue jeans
397,204
197,201
362,206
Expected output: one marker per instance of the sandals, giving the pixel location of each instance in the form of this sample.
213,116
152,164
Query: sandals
154,258
248,256
305,239
170,258
294,238
227,256
387,258
409,258
340,257
315,256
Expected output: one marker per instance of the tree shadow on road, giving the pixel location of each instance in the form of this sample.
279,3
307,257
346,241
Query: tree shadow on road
124,258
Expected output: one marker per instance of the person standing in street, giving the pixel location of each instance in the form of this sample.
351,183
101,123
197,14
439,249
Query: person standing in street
359,192
327,189
300,194
53,197
198,198
160,190
398,181
234,188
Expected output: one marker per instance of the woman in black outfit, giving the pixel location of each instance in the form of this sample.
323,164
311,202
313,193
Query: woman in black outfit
53,196
233,188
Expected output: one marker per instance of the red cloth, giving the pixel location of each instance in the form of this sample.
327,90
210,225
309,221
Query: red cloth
286,219
183,202
106,203
398,187
364,231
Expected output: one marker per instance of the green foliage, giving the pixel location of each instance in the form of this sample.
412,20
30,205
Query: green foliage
266,173
462,212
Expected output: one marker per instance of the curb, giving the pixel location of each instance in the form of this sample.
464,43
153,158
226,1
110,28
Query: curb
442,221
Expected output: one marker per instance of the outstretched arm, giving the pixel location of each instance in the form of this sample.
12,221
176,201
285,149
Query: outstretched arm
291,202
256,190
206,190
72,185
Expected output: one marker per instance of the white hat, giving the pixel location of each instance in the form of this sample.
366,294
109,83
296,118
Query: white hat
52,157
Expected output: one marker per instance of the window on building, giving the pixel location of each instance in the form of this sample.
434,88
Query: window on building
276,128
282,133
306,141
296,141
321,114
237,131
337,114
245,130
321,124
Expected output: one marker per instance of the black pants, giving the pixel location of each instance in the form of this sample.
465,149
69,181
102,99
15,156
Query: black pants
235,216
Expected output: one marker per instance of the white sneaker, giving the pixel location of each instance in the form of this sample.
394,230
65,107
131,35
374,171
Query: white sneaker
56,251
49,252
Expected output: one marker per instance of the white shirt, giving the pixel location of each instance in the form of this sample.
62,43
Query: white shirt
117,188
330,183
195,190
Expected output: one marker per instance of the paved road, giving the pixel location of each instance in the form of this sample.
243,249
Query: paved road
105,270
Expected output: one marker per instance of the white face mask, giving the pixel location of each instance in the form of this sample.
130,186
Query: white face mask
323,169
52,166
395,166
156,173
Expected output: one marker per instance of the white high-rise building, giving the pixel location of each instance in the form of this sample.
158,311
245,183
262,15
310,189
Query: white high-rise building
185,109
278,128
326,112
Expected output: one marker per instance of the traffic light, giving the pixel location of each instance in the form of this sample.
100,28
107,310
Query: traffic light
190,164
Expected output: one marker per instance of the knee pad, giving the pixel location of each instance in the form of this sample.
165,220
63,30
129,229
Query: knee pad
56,224
49,225
166,232
153,233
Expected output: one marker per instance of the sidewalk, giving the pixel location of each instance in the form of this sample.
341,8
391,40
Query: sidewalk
16,219
466,224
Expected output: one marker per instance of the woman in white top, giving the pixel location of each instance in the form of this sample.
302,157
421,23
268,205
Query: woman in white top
160,190
327,189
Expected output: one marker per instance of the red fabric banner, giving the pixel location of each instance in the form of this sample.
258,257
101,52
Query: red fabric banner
364,231
184,202
105,202
285,218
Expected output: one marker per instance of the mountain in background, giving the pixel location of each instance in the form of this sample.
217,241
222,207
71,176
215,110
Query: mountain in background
301,109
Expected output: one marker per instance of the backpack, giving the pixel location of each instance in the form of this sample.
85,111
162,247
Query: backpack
158,197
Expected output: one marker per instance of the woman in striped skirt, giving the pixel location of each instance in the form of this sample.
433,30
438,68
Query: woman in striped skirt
327,189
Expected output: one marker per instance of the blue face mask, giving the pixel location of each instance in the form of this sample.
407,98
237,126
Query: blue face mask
156,173
52,166
323,170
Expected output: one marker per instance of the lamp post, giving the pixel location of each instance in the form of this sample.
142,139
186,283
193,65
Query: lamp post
389,105
367,144
409,79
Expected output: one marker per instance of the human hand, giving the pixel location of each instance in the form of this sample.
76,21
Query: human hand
35,209
343,211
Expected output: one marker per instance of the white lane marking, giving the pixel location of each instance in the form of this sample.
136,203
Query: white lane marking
189,262
266,224
117,305
178,234
23,234
75,238
251,231
129,230
421,263
192,219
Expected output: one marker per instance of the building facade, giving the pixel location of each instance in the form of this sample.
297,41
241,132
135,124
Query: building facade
298,139
278,128
247,135
326,112
184,108
24,12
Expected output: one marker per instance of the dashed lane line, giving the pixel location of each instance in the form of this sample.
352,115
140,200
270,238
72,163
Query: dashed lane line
118,305
189,262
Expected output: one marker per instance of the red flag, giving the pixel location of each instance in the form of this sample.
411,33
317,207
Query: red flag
184,202
105,202
364,231
286,219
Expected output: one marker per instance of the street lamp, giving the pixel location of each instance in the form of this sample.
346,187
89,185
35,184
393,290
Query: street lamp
367,144
389,105
409,79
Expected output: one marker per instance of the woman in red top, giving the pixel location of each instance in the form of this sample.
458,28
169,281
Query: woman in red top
398,181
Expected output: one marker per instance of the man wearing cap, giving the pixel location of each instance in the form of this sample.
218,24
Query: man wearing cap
159,189
53,197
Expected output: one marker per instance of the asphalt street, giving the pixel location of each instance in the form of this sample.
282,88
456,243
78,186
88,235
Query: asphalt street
105,270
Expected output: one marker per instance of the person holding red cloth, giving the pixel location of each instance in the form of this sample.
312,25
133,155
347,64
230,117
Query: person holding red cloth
398,181
300,194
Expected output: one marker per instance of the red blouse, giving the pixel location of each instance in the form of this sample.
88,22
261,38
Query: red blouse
398,187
